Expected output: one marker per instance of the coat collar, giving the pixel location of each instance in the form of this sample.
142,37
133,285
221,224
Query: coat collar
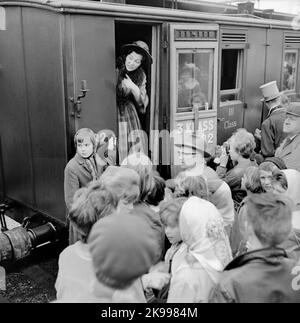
278,109
290,147
269,255
80,160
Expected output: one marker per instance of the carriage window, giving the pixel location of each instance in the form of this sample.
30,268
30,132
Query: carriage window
231,74
195,80
289,70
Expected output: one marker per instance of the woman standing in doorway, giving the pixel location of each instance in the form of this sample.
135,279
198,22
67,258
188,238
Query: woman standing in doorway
132,97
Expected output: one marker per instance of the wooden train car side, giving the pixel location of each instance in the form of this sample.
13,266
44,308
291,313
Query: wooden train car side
48,49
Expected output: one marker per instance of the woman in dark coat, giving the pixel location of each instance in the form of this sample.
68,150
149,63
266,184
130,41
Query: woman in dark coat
132,97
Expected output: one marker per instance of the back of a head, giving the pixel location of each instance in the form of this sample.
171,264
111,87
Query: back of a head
194,186
143,166
90,204
124,182
243,143
270,216
123,248
268,166
158,192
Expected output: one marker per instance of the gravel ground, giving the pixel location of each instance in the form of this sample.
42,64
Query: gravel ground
31,280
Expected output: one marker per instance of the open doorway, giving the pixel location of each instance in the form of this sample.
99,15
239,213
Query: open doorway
127,33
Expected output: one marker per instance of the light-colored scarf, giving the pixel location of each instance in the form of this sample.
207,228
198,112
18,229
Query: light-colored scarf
204,237
293,179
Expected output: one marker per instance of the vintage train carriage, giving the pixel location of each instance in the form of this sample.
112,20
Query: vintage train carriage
48,49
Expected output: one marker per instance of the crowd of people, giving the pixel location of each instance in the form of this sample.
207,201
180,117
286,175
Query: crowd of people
222,232
225,229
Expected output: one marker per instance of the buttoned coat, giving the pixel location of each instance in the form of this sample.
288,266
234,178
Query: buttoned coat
291,153
272,134
77,175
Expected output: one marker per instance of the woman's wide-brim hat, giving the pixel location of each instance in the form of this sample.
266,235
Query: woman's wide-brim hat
270,91
140,47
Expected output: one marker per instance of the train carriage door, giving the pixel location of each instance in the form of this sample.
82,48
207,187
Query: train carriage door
90,56
193,82
231,108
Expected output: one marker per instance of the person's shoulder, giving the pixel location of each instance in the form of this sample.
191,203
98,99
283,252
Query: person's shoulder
66,253
71,163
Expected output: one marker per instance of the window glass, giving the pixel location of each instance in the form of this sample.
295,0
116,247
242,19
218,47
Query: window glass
289,70
195,80
231,74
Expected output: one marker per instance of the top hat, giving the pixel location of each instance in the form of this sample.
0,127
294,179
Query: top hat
140,47
270,91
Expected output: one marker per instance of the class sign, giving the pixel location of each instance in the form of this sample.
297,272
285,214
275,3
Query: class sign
206,127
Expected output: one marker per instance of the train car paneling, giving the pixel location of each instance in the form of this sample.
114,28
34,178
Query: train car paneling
290,76
14,121
234,46
93,48
255,76
274,44
45,94
274,55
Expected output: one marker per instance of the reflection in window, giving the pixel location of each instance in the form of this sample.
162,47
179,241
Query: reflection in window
231,74
195,78
289,70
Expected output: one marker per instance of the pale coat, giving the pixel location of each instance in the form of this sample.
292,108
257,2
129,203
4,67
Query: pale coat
291,153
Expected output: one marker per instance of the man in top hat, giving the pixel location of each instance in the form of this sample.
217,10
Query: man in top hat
289,150
272,133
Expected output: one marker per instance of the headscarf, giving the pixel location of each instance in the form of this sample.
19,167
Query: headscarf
202,231
293,179
93,163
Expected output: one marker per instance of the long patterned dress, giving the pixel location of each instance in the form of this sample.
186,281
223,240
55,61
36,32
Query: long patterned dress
131,136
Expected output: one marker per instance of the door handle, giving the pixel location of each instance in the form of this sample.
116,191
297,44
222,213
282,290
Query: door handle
220,119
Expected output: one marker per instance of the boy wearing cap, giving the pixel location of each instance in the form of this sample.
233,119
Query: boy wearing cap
272,128
289,150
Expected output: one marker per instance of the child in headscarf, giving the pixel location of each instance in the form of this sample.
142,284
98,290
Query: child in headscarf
84,167
204,253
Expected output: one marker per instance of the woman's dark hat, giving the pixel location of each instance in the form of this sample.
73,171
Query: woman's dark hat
140,47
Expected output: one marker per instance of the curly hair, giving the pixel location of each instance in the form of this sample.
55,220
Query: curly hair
193,186
169,211
124,182
243,143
